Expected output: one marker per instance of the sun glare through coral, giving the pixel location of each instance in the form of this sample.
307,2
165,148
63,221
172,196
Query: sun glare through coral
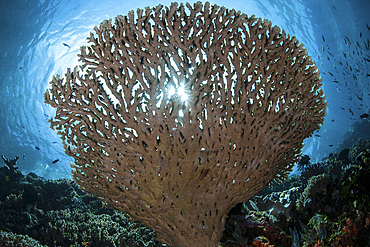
179,92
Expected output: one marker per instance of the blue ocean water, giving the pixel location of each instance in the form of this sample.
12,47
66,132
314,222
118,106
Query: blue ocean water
39,39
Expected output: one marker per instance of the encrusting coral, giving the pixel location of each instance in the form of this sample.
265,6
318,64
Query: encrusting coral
178,114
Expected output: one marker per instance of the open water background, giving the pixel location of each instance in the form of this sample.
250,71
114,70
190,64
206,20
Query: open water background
32,33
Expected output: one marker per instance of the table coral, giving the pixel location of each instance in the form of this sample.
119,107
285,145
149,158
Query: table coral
179,113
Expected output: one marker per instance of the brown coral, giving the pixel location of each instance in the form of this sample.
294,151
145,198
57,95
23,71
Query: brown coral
179,113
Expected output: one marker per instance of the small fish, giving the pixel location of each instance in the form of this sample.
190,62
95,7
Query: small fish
254,206
323,38
55,161
359,97
368,28
358,45
24,156
366,59
330,72
20,67
66,45
332,120
348,42
365,115
330,145
360,34
351,112
336,81
342,108
345,55
318,135
37,148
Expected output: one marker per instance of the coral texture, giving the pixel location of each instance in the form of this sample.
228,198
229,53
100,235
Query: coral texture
12,239
179,113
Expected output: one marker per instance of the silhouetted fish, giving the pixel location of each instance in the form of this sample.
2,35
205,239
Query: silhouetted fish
37,148
358,45
66,45
330,145
365,115
347,41
55,161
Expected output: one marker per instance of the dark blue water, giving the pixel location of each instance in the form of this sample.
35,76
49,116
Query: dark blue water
32,34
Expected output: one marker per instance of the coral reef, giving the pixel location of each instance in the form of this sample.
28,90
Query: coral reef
276,203
359,129
359,151
57,213
38,212
9,239
179,113
11,174
327,209
316,185
11,164
253,230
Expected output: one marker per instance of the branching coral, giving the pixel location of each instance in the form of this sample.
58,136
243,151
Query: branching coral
11,164
313,191
178,114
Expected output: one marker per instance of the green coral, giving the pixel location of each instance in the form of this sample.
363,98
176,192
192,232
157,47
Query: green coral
12,239
319,224
77,226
